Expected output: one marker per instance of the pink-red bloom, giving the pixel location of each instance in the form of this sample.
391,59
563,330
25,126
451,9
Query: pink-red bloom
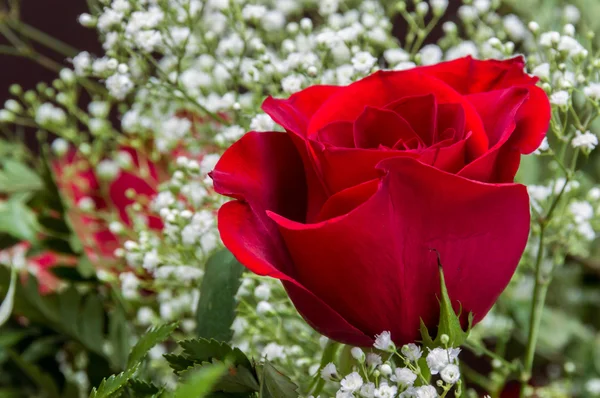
77,179
346,206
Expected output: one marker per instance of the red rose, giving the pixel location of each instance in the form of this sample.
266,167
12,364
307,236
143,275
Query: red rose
76,179
346,207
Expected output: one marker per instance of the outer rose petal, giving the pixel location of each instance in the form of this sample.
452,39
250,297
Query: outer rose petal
468,75
516,121
295,113
264,172
374,265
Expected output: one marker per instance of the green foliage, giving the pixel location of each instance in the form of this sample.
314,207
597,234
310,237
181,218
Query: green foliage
152,337
18,177
202,350
274,384
113,384
18,220
449,322
43,380
216,308
142,389
200,383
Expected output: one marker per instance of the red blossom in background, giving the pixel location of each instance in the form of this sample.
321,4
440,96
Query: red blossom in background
346,206
76,180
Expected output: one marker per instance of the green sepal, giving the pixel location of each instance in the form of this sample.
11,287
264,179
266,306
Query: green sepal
449,321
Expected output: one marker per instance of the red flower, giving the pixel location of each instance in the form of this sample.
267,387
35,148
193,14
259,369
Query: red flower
76,179
346,207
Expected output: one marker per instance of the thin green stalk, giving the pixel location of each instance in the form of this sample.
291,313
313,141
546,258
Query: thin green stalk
540,289
42,38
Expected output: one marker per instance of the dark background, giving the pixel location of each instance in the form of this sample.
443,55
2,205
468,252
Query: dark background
57,18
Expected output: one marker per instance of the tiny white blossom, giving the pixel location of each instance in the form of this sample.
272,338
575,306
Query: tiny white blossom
363,61
482,6
208,163
273,351
594,193
582,211
394,56
542,71
549,39
571,13
273,20
430,54
404,377
329,372
467,13
292,83
439,358
592,91
59,146
586,140
426,392
571,46
462,50
412,352
439,6
383,341
264,307
262,122
352,382
262,292
367,390
560,98
119,85
514,27
450,374
373,359
386,391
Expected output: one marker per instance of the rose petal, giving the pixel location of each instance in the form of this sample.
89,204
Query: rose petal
375,127
264,172
421,114
374,265
467,75
294,113
337,134
513,128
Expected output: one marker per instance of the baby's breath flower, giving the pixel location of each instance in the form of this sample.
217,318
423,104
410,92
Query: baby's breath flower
439,358
329,372
412,352
588,141
351,383
560,98
384,341
450,374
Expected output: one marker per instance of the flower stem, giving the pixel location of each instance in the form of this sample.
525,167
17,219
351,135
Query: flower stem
540,289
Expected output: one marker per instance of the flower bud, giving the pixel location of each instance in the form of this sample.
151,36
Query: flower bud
358,354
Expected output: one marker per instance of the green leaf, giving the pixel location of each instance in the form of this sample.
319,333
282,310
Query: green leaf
216,308
152,337
18,220
68,305
18,177
91,322
200,383
178,363
237,379
449,322
43,380
113,384
119,336
202,350
274,384
142,388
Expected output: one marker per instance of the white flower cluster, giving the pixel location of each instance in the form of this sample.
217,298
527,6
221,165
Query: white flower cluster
375,378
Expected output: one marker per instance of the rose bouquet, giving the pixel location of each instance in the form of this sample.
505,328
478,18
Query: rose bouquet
353,198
